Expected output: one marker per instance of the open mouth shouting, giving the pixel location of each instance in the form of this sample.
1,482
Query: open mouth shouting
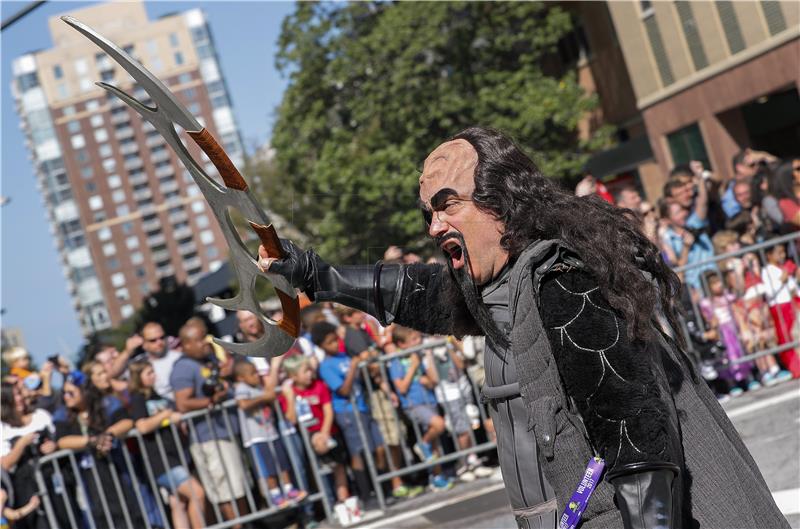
453,247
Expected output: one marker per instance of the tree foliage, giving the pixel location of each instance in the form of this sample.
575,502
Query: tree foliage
375,86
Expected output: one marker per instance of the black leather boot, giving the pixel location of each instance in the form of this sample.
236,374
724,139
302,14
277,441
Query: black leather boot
644,495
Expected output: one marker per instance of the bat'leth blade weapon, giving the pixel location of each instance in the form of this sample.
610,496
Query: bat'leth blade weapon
164,114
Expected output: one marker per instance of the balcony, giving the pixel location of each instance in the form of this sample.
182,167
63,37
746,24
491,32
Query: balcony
160,256
142,194
154,141
151,225
138,179
163,172
135,163
165,271
188,247
160,156
168,187
177,217
192,263
182,233
124,133
129,148
155,240
120,117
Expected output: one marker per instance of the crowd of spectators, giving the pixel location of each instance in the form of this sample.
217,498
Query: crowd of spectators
151,385
738,302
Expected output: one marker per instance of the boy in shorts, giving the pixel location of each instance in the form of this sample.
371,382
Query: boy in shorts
260,437
414,384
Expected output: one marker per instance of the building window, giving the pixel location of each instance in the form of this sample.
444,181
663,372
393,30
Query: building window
659,52
152,46
114,181
206,237
27,81
137,258
74,126
100,135
140,272
178,58
95,202
109,164
202,221
107,76
58,73
87,172
104,150
86,84
212,252
123,210
774,16
686,145
118,279
78,141
104,234
184,78
173,40
118,196
112,264
692,35
91,187
82,156
198,206
81,66
730,23
127,227
109,249
96,120
132,242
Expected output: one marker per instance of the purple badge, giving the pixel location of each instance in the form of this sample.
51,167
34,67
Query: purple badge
580,498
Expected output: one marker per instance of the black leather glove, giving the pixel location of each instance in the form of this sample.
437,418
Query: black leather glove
374,289
644,495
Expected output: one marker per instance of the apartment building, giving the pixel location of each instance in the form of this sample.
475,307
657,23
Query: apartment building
123,211
712,77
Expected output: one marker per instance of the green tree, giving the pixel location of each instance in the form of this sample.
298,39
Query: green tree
374,86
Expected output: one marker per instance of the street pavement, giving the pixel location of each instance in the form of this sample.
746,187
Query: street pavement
768,421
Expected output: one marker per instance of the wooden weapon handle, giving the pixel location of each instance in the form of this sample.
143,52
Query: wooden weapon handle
229,173
290,323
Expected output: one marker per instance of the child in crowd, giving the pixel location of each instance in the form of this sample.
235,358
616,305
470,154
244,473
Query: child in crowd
260,436
151,412
719,313
341,374
309,395
779,287
414,384
454,394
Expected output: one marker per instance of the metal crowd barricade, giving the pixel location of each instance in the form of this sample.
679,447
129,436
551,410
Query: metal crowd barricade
753,259
409,465
65,486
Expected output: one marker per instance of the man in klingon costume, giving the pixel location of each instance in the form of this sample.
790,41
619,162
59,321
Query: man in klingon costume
582,358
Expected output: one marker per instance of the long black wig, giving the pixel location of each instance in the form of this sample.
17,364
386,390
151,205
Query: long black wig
510,187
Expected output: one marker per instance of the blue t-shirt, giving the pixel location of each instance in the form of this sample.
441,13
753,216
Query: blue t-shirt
333,370
417,394
730,205
189,373
701,250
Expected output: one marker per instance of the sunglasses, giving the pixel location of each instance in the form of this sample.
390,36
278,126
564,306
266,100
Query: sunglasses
156,339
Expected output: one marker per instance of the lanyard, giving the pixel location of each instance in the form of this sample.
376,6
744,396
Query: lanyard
571,516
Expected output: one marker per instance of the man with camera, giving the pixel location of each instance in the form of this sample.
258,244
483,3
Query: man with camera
197,384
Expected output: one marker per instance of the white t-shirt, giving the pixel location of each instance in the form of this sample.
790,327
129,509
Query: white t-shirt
40,420
771,286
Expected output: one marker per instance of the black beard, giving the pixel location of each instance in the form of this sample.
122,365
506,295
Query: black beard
469,290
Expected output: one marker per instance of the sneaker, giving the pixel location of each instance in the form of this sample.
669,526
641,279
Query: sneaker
782,376
754,385
466,475
279,500
424,451
294,495
482,471
440,483
768,379
404,492
735,391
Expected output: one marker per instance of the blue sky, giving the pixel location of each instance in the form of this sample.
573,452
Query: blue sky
33,291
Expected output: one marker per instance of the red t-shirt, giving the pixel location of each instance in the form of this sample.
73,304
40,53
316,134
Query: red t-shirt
789,208
316,395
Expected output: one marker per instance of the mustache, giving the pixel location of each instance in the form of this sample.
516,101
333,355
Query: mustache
439,239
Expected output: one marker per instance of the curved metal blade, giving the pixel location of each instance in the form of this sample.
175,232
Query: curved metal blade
160,94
